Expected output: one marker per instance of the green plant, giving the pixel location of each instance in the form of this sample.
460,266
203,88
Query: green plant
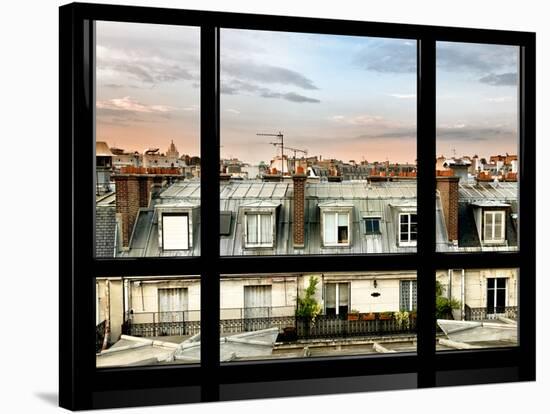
402,319
444,306
385,315
308,307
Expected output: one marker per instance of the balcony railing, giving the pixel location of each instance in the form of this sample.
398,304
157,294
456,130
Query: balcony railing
482,314
176,323
330,326
237,320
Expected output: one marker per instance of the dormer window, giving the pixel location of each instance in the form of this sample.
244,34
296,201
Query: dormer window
259,229
259,220
372,225
175,227
493,226
407,229
175,231
336,229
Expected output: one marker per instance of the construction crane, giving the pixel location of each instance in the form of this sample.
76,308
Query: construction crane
281,143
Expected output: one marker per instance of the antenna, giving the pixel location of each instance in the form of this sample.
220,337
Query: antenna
281,143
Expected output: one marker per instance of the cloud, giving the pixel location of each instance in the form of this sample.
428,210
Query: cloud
246,70
502,79
387,56
403,95
478,58
475,132
131,105
239,87
142,65
233,111
366,119
290,96
500,99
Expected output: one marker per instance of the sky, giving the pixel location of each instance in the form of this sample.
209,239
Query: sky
350,98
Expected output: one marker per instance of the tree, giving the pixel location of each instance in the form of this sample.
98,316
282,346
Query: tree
308,307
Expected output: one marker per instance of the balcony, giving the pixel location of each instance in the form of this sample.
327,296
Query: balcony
237,320
482,314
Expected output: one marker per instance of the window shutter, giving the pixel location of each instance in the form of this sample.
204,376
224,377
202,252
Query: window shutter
175,232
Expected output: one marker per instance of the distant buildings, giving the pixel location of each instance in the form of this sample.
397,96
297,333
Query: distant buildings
323,207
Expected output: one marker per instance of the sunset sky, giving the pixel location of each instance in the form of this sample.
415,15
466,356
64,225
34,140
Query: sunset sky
336,96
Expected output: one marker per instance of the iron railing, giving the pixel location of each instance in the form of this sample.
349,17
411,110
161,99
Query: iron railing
234,321
481,314
330,326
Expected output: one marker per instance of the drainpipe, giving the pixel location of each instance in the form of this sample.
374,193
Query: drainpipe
450,274
107,314
462,296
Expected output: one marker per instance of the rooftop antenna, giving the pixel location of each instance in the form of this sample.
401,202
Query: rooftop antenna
281,143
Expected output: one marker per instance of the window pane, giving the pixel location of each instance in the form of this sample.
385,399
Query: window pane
252,228
175,232
476,308
477,162
266,229
313,123
132,312
281,316
330,228
147,131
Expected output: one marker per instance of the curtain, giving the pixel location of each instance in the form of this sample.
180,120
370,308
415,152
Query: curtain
252,228
330,228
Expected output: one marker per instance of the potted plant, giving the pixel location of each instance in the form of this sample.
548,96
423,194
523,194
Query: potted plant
307,308
368,316
353,315
385,316
402,319
444,306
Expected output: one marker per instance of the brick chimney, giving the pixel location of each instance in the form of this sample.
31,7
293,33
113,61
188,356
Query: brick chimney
133,191
448,193
299,181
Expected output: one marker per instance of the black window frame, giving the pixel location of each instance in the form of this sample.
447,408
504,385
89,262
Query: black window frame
84,387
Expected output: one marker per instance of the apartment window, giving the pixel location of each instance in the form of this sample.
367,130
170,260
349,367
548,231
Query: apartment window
337,298
172,302
496,295
372,225
225,223
407,229
494,226
336,228
259,229
407,295
175,232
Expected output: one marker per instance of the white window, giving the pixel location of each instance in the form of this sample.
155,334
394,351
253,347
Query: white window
407,229
493,230
337,298
175,232
173,303
407,297
336,229
259,229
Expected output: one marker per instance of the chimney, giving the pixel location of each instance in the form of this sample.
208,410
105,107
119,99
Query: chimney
299,181
448,193
133,191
